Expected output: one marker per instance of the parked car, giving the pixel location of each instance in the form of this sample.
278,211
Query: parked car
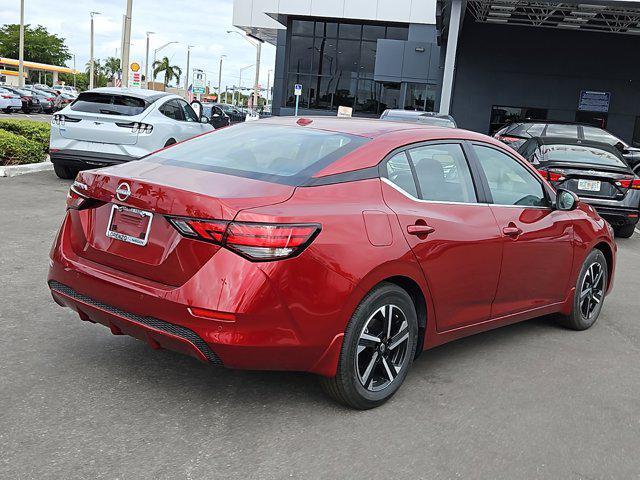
596,172
9,101
47,100
426,118
30,102
110,125
217,117
338,247
68,89
235,114
517,133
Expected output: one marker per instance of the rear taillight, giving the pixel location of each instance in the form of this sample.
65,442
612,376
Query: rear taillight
7,96
508,139
61,119
633,183
254,241
136,127
77,197
551,175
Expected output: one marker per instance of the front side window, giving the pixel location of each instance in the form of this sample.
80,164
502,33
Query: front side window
399,173
187,111
510,183
443,173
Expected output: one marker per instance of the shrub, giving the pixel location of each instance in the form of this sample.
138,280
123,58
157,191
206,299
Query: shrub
35,131
16,149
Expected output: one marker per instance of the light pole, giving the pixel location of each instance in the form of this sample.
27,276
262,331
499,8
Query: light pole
256,42
74,70
220,79
268,84
91,51
146,61
126,46
21,48
186,77
241,70
155,53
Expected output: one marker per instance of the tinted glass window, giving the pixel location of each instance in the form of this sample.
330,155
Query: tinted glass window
187,112
172,110
579,154
510,182
399,172
397,33
443,173
348,30
301,54
555,130
302,27
109,104
373,32
261,151
598,135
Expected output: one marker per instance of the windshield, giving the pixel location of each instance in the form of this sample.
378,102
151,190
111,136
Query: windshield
277,153
109,103
577,154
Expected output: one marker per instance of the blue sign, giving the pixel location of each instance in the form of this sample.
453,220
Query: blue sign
591,101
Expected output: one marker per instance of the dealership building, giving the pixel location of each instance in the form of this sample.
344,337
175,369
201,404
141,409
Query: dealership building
485,62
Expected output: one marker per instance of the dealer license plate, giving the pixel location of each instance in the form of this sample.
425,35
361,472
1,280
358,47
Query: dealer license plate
589,185
129,225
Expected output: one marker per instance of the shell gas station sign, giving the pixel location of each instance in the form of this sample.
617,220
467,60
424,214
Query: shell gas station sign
135,75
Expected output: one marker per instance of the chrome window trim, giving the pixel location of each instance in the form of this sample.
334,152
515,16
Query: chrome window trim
411,197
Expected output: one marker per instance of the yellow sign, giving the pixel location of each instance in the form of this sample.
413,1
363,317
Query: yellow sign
135,67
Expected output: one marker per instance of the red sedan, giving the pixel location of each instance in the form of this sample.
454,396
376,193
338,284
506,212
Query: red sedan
341,247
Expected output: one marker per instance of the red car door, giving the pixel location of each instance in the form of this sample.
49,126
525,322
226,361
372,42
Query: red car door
537,255
456,239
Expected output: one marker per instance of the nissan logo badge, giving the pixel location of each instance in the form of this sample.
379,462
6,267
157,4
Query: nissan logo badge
123,191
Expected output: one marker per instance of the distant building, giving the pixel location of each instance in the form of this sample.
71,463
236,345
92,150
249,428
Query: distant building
9,71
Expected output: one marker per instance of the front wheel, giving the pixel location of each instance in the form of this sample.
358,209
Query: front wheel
378,349
589,294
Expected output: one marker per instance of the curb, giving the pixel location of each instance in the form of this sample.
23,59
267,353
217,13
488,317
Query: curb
14,170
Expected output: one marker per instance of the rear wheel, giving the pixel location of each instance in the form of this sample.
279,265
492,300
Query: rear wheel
589,295
378,349
171,141
64,172
625,231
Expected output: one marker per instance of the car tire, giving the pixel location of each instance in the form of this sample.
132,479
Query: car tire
371,371
589,293
7,111
64,172
625,231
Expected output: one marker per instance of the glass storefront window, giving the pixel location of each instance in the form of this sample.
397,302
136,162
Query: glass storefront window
302,27
368,97
373,32
301,54
305,81
421,97
501,115
348,30
348,55
397,33
322,92
390,96
368,57
325,60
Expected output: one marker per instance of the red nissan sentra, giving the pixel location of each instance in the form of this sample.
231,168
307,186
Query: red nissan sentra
341,247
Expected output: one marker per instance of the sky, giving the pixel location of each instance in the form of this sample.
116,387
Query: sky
201,23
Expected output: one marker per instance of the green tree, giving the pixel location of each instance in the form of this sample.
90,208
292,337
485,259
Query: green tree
170,71
39,45
111,66
99,77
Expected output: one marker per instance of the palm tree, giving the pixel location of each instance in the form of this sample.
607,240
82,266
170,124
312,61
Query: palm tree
111,66
99,78
170,71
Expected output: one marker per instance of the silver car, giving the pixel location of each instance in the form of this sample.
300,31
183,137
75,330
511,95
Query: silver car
106,126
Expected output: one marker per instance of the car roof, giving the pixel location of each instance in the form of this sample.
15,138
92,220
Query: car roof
131,92
415,113
546,140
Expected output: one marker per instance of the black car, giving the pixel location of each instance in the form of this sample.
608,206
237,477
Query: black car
30,102
217,117
235,114
515,134
47,100
595,171
424,118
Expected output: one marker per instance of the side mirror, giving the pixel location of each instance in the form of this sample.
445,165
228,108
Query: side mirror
566,200
204,119
621,147
197,107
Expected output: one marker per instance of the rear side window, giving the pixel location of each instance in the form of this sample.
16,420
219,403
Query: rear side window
399,173
109,104
595,134
172,110
556,130
277,153
443,173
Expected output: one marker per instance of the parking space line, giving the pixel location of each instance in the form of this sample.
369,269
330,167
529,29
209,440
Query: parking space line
637,231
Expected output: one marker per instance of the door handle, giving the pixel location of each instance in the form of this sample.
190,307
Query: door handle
420,229
512,231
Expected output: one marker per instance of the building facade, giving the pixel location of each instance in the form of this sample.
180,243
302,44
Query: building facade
486,62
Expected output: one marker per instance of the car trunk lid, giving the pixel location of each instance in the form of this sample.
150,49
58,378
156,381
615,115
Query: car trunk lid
588,180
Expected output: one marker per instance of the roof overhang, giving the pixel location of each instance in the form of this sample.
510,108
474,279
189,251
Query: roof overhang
37,66
621,16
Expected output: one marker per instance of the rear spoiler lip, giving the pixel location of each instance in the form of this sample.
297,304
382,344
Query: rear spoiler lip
608,170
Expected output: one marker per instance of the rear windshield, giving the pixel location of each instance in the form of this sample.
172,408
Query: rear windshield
109,103
525,129
276,153
578,154
422,119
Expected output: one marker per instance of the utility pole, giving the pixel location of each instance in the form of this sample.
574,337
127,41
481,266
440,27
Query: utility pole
21,48
256,84
186,77
146,61
74,70
220,79
268,85
91,52
126,45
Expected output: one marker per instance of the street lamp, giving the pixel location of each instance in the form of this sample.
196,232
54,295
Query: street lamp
186,77
155,52
146,60
126,45
268,84
91,51
21,48
242,70
220,79
256,42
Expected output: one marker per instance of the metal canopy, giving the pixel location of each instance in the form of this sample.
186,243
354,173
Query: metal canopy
613,17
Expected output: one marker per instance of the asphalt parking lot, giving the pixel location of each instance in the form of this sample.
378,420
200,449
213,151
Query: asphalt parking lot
37,117
527,401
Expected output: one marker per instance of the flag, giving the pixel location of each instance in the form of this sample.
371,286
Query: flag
190,95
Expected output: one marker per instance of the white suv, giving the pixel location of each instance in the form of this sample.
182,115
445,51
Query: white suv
105,126
63,89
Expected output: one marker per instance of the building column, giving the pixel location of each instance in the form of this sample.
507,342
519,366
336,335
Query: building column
455,19
55,78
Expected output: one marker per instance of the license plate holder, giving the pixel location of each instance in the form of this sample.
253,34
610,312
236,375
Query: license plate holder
589,185
129,225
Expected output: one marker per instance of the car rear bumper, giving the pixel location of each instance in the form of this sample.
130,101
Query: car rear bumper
617,216
85,159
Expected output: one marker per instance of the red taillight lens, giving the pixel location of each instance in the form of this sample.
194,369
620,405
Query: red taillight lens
508,139
76,199
551,175
255,241
633,183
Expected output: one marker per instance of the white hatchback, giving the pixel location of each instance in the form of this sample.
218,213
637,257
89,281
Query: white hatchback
106,126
